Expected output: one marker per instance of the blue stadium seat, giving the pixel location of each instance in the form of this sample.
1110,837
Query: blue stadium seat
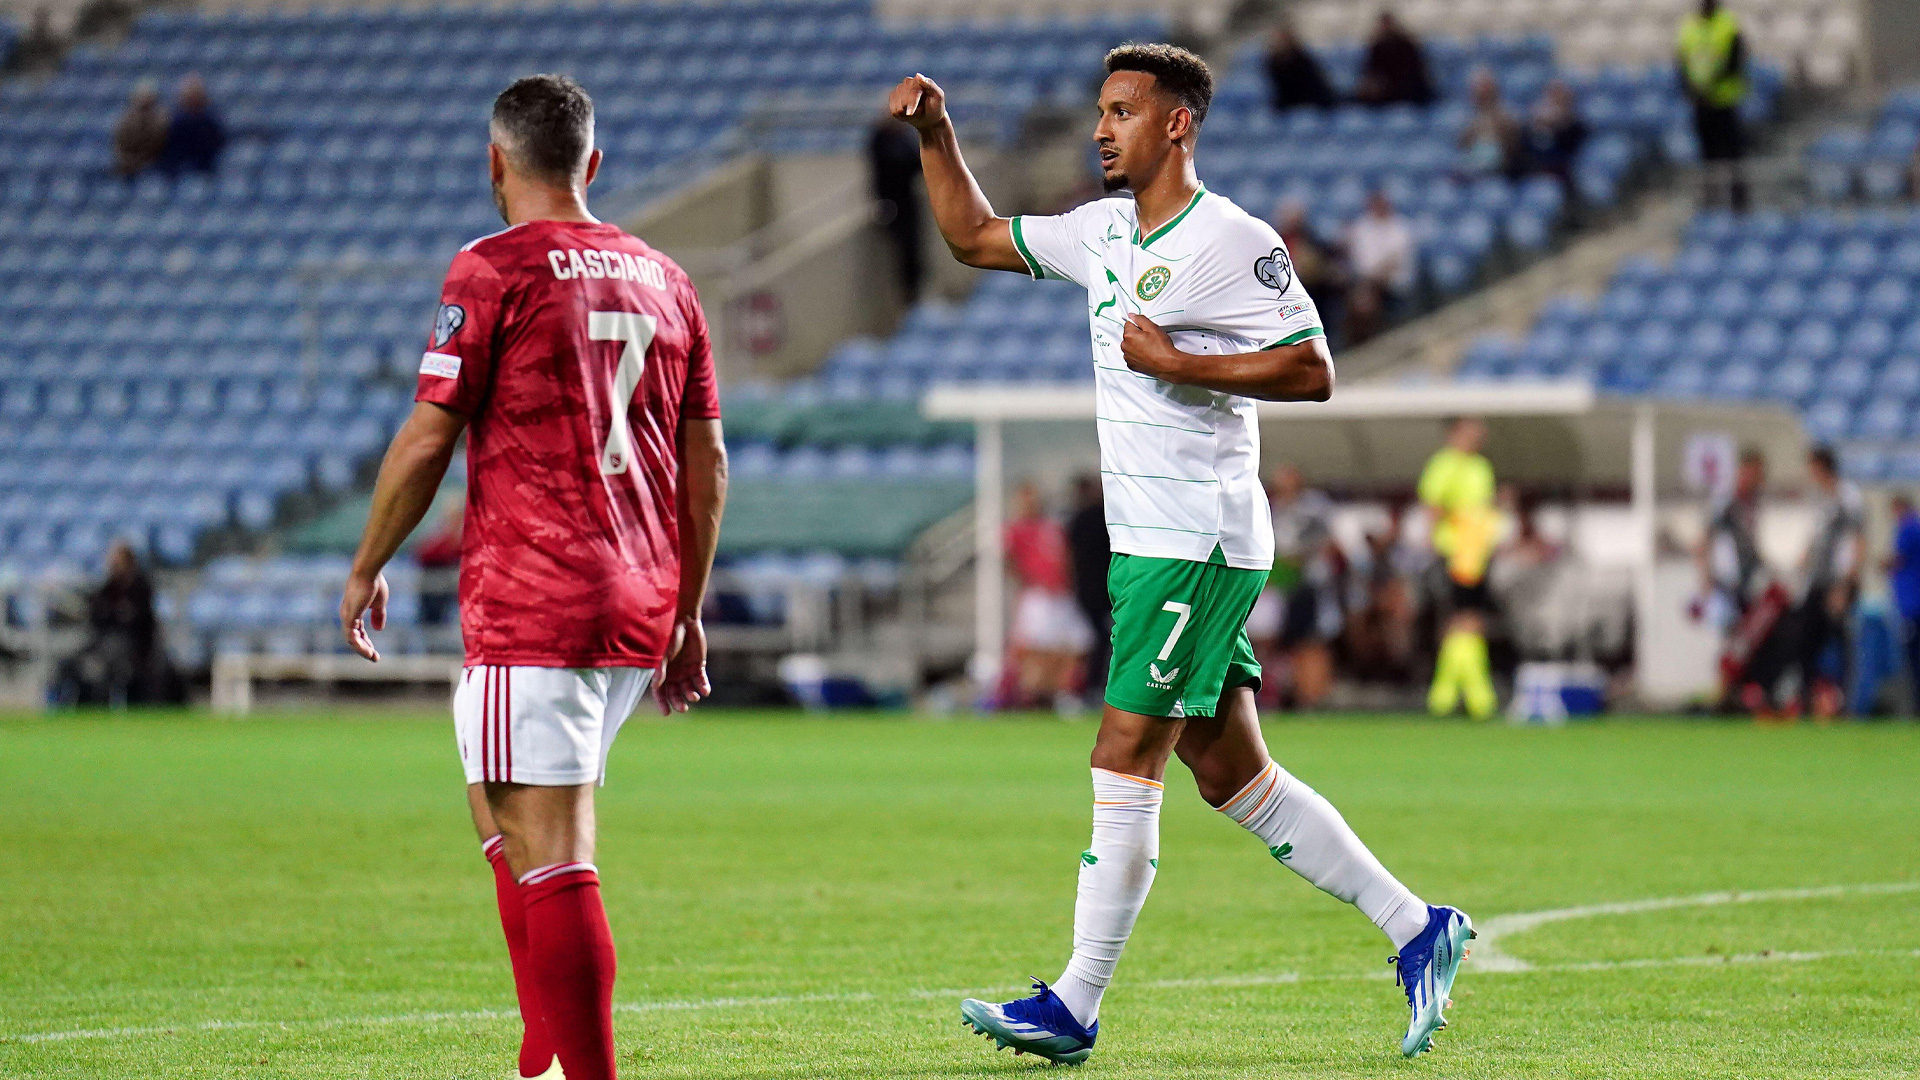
1850,378
1883,420
1739,380
1899,379
1869,338
1829,419
1709,339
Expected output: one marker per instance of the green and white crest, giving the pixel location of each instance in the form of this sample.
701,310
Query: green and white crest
1152,282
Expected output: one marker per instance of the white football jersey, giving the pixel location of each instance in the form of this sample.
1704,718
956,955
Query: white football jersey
1180,464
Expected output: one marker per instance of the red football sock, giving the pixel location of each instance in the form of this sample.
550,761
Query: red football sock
572,953
536,1048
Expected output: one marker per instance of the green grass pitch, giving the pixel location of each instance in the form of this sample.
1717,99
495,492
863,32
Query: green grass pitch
795,897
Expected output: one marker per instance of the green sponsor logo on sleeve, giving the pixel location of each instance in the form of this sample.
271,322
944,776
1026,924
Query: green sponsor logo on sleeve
1088,858
1282,853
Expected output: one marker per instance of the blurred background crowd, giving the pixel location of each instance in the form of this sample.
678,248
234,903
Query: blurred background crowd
222,228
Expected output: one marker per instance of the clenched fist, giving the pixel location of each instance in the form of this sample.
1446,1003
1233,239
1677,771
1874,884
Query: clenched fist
1148,350
919,101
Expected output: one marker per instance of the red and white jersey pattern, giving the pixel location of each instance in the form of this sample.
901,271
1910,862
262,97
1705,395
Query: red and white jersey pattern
576,351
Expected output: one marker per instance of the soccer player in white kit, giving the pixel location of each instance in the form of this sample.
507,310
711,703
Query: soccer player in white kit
1195,313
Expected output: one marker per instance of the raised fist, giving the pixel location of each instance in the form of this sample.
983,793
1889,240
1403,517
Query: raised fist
919,101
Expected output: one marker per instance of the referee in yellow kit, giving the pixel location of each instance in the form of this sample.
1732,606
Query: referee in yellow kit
1458,485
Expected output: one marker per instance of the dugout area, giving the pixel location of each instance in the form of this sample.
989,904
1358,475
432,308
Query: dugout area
1372,439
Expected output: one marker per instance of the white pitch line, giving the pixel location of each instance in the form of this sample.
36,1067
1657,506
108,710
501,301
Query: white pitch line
1488,955
1490,931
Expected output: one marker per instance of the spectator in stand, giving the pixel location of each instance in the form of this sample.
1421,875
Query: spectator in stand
122,663
1049,636
1294,76
1089,547
1298,615
439,559
1490,143
1732,573
1382,614
1832,565
1380,253
99,17
39,49
195,135
1554,134
1314,265
893,168
1395,68
140,137
1903,568
1712,59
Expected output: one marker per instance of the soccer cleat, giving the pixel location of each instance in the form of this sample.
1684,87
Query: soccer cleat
553,1072
1040,1025
1425,968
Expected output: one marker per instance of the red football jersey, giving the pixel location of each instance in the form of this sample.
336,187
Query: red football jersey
575,350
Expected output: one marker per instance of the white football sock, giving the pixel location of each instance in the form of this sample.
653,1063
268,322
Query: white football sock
1306,834
1115,874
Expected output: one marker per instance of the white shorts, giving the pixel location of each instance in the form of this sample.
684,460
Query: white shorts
1050,622
549,727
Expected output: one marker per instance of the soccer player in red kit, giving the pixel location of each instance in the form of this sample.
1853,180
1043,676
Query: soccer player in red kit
576,359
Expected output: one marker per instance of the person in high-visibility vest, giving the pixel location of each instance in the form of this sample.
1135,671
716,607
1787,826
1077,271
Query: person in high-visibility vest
1712,58
1457,486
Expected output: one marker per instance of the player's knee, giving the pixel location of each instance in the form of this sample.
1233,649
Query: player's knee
1130,753
1218,785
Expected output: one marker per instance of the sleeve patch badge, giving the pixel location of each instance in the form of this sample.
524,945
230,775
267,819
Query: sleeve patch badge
1274,270
448,323
441,365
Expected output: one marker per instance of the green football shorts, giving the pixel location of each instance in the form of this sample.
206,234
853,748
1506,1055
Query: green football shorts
1179,633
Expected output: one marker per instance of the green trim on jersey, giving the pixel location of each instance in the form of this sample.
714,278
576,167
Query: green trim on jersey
1020,244
1164,229
1179,633
1296,338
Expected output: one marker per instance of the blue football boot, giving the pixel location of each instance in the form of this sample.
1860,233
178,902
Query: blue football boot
1425,969
1040,1025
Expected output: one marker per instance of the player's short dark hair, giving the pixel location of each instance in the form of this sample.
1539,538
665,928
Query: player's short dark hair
1177,72
547,121
1824,457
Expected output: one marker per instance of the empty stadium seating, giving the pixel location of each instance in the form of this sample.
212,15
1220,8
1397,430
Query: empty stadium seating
181,356
1811,38
1875,164
1012,330
1814,310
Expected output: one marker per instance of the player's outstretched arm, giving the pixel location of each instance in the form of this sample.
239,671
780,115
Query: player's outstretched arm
703,498
973,232
1299,372
409,476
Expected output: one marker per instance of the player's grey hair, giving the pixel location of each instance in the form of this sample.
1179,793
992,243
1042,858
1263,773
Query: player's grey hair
545,124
